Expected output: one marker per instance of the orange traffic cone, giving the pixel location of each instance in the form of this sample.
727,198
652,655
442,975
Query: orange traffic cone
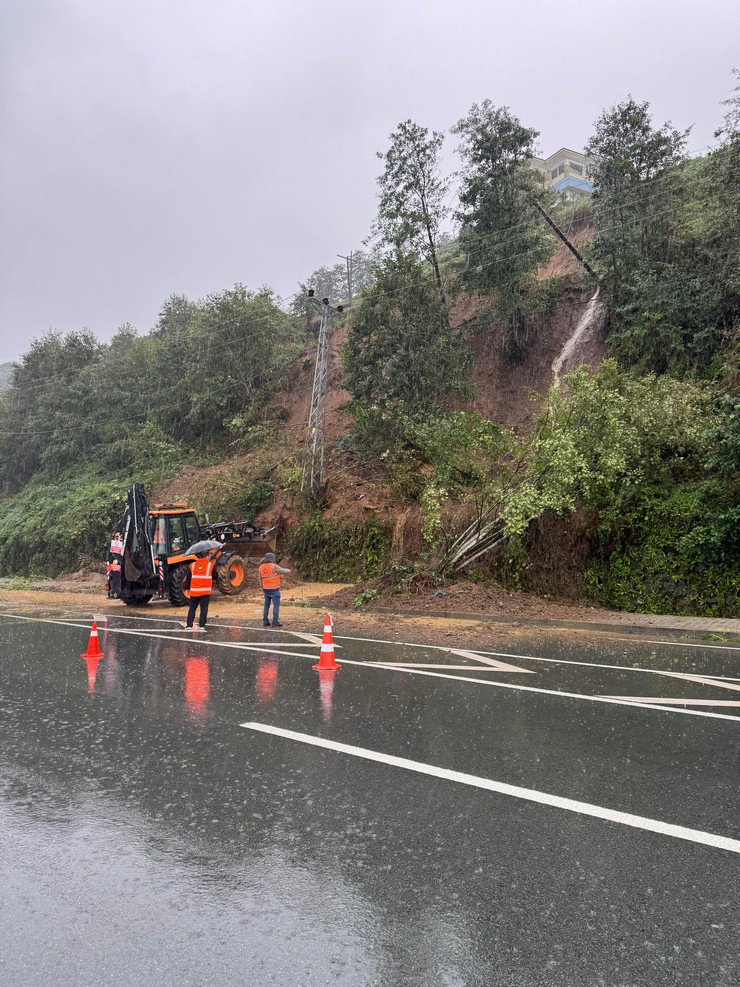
93,651
326,658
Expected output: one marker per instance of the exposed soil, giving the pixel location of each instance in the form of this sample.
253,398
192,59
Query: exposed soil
356,488
428,616
509,394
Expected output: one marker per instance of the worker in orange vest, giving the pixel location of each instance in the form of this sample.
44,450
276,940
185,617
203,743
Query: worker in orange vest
201,584
270,582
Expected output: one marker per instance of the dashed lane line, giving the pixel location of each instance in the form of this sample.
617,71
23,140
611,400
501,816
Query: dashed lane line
515,791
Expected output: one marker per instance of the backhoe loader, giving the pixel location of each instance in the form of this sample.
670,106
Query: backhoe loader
149,554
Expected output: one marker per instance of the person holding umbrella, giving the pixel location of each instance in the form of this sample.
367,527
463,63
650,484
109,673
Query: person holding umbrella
270,582
201,585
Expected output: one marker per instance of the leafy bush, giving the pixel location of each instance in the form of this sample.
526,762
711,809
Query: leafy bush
326,552
660,569
45,529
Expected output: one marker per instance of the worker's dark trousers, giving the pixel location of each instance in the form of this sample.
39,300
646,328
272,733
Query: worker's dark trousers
195,602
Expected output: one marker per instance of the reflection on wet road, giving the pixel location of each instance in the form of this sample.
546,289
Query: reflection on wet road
149,837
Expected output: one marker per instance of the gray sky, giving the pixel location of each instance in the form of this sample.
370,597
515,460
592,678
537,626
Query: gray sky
152,147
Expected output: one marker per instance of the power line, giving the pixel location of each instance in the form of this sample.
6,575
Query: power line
642,193
18,391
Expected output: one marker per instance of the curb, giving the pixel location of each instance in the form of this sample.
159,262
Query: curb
717,626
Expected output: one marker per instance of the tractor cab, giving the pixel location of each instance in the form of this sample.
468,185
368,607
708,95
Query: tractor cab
172,528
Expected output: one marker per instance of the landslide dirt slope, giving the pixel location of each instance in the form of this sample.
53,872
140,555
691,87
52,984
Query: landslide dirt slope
357,488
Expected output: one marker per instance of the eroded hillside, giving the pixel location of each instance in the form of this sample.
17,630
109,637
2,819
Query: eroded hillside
503,392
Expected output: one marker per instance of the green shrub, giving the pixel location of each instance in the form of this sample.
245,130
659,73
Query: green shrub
326,552
658,566
47,528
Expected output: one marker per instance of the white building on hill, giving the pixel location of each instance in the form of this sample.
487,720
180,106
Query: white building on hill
568,172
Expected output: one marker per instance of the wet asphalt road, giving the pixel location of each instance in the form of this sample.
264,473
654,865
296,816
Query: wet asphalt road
152,835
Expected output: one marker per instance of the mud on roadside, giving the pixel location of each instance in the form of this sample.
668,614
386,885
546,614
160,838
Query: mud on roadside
496,618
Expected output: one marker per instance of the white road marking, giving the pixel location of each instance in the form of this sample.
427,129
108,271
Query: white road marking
398,668
701,679
680,702
483,659
479,656
505,654
547,692
215,623
679,644
447,668
493,665
235,645
515,791
706,680
181,638
316,639
592,664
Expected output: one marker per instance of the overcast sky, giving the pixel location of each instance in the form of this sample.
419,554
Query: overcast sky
154,147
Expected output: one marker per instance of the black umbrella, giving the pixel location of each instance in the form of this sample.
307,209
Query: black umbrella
200,547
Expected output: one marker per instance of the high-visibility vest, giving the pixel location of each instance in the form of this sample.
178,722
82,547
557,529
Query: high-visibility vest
269,578
201,577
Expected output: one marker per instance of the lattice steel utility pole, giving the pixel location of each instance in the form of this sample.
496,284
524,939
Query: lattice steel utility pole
349,273
312,478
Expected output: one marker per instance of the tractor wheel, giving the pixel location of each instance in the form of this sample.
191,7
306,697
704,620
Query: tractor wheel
179,596
136,601
232,576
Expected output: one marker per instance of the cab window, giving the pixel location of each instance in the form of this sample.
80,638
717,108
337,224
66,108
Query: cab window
178,536
159,536
192,530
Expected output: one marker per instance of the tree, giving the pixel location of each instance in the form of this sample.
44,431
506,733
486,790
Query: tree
501,231
401,356
665,242
236,343
331,283
723,233
130,383
411,206
628,150
326,282
635,183
174,318
46,407
363,269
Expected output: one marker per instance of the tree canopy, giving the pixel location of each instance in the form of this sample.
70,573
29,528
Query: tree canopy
401,353
501,232
412,195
